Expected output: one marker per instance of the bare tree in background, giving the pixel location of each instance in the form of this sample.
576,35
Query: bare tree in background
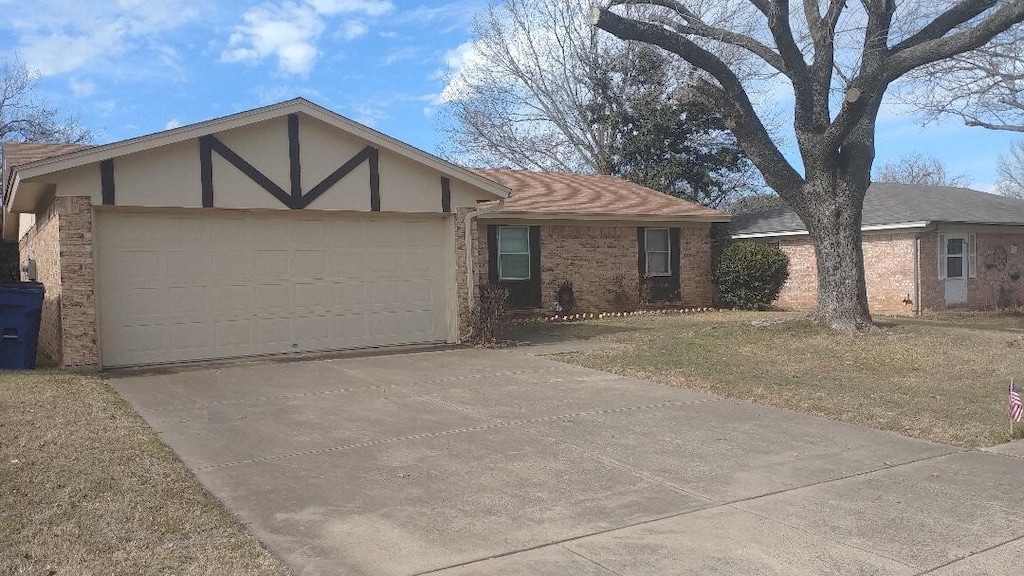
541,89
920,170
838,59
25,117
984,87
1010,168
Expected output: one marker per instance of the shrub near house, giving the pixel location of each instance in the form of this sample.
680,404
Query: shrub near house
750,275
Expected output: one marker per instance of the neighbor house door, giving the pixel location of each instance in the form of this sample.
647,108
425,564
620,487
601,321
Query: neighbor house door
953,266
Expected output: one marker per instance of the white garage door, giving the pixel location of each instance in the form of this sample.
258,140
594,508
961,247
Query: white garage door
187,287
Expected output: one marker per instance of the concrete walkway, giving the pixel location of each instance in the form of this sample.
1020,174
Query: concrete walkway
481,462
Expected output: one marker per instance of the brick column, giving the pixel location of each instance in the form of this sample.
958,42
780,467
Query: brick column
78,282
695,266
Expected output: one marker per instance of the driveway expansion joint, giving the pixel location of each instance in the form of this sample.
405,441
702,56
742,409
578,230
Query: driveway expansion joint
971,555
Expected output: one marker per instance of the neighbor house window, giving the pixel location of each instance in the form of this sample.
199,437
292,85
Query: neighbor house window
955,257
514,253
656,245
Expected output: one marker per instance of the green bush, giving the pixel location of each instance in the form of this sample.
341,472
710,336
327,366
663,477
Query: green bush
750,275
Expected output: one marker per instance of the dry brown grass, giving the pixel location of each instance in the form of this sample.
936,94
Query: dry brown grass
942,379
88,488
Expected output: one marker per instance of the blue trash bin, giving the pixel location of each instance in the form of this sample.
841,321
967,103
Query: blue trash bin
21,306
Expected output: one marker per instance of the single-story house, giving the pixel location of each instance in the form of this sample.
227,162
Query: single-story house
926,248
290,228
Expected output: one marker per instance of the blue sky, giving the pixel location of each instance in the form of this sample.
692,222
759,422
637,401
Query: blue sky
132,67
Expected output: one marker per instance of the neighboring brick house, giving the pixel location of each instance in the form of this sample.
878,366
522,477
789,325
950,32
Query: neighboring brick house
926,248
290,228
620,245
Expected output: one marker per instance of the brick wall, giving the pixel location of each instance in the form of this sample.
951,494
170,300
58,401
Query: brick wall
1000,270
461,279
695,263
888,270
42,244
61,244
601,261
78,295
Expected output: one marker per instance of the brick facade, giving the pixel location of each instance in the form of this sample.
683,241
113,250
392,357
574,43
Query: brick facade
999,281
61,244
889,271
601,261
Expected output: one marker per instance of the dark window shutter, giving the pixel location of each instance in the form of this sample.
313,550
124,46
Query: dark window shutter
641,251
492,254
673,236
535,264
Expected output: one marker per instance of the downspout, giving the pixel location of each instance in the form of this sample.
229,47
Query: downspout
470,260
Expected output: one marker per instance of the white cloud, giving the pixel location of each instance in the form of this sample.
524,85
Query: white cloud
82,88
56,37
368,7
290,31
353,29
369,115
172,124
456,62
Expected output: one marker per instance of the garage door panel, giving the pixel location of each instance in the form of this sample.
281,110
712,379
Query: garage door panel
187,268
310,264
190,336
187,287
271,265
347,264
229,334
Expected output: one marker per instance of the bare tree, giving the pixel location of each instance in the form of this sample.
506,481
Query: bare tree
984,87
26,117
838,58
541,89
1010,168
921,170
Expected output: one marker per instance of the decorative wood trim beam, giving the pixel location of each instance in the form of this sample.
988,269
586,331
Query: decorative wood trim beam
251,171
336,176
374,180
295,167
206,170
107,182
446,195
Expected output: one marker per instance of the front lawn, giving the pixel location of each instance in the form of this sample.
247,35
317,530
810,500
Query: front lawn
87,488
943,379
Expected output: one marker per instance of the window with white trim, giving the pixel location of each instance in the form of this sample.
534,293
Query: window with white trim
513,253
957,256
657,252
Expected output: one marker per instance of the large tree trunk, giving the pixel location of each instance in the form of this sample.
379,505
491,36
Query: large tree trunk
832,214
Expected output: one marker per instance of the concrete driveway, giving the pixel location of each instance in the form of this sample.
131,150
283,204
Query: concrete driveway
485,462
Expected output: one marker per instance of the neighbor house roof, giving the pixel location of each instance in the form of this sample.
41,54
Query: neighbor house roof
21,153
896,206
552,194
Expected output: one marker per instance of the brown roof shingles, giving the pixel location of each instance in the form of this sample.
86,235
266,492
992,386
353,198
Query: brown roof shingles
21,153
591,195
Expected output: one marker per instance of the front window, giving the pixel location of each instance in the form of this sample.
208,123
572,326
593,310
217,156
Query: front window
513,253
656,246
954,257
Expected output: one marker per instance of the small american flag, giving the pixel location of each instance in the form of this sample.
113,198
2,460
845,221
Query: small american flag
1016,409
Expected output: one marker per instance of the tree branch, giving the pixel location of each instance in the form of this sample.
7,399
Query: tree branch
943,23
729,99
696,26
927,51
